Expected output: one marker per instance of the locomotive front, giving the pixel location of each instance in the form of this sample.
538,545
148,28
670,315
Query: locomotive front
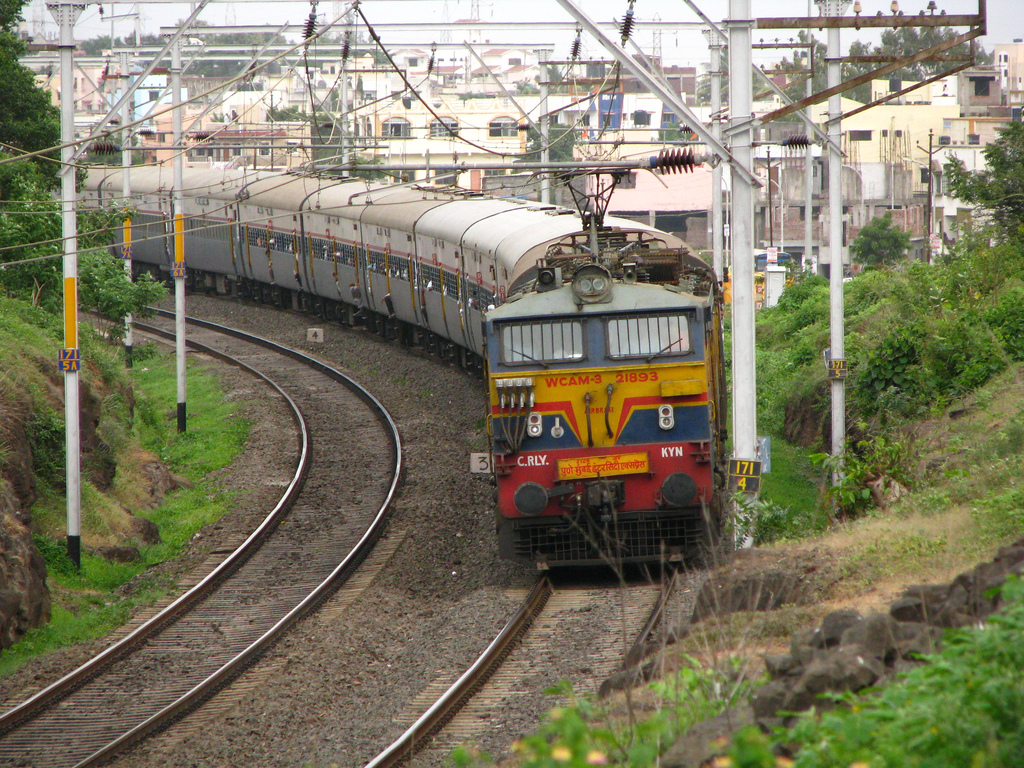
606,409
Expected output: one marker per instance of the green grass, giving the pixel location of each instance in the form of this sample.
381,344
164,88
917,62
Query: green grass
88,604
790,505
793,481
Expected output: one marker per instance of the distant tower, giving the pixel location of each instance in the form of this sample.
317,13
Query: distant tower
659,63
229,15
474,10
446,19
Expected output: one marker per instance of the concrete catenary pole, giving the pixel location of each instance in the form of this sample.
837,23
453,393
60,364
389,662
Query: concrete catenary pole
178,203
716,43
836,363
809,161
126,193
65,15
741,231
543,55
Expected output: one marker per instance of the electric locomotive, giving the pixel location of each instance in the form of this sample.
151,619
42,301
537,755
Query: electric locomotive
607,407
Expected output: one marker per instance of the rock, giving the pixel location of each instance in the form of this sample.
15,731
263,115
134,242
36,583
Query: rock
24,596
142,530
920,602
119,553
876,634
747,583
832,627
706,740
848,668
782,665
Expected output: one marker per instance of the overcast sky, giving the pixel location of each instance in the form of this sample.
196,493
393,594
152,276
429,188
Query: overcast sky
1005,19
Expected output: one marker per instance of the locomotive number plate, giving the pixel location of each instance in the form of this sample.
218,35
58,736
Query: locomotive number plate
603,466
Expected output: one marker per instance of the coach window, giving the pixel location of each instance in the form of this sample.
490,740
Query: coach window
542,342
647,335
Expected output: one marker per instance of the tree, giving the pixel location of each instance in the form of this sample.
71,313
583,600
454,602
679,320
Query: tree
999,188
28,121
879,242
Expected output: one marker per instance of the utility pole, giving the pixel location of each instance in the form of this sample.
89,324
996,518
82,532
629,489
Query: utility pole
836,362
178,203
65,15
809,159
745,463
543,55
716,43
126,193
771,203
928,208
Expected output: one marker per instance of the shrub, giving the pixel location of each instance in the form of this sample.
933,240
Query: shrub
1006,319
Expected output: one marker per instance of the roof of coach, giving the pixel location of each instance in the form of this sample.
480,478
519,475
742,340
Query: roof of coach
401,214
286,191
451,222
625,298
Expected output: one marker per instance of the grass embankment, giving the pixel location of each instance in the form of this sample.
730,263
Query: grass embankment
90,603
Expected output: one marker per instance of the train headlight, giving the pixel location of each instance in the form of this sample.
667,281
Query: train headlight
530,499
592,284
535,425
666,417
678,489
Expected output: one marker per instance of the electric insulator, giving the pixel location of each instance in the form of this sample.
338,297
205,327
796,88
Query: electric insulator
627,23
104,148
800,140
346,48
627,26
310,27
574,52
200,135
433,55
523,127
146,132
675,161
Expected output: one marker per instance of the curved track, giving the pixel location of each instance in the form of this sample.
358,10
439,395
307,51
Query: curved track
327,520
477,701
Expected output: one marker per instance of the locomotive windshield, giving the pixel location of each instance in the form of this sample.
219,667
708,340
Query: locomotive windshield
648,335
542,342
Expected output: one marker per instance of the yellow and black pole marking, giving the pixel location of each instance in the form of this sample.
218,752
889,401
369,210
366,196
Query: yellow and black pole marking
178,272
126,254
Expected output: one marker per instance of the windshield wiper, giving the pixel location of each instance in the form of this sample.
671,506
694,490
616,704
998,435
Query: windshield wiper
514,351
665,350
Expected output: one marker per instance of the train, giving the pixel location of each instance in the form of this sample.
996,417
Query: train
599,338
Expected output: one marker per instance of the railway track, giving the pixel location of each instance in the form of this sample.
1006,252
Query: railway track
472,708
328,518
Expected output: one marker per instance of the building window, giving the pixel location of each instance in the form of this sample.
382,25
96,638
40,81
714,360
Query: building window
396,128
439,131
514,62
641,118
981,85
414,61
501,127
860,135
